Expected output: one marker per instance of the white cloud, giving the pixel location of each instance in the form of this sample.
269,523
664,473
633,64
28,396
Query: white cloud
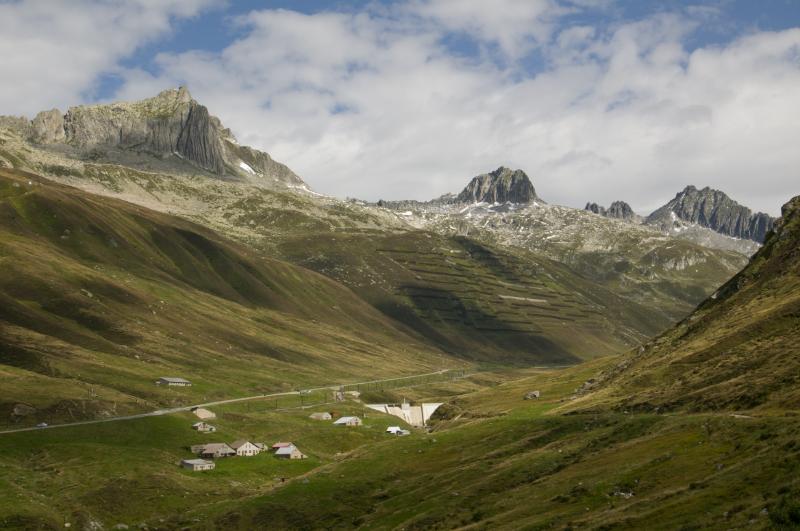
53,51
375,105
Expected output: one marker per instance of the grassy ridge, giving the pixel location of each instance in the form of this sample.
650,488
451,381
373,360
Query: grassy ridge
98,298
737,351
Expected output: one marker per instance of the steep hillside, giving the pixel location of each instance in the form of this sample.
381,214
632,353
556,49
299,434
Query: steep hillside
98,298
479,301
737,351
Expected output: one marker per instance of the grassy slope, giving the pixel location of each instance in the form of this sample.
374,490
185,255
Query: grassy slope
737,351
446,287
504,463
98,296
481,302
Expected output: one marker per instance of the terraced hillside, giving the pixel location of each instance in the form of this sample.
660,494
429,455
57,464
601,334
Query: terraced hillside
667,274
477,301
98,298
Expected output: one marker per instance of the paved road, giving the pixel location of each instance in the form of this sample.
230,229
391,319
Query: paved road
170,411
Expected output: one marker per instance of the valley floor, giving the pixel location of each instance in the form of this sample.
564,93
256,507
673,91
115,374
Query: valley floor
491,460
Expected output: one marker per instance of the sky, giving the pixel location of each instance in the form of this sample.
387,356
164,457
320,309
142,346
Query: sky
596,100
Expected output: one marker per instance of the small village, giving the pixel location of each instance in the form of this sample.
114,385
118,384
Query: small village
206,454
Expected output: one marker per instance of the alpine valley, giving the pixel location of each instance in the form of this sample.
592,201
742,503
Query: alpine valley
140,240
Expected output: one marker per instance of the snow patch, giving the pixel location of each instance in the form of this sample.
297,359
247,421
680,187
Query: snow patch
246,167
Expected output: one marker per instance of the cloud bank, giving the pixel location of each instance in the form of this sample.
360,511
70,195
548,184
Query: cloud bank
411,99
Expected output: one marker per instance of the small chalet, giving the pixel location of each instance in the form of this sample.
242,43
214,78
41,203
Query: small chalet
245,448
290,452
278,445
204,427
170,381
214,450
198,465
348,421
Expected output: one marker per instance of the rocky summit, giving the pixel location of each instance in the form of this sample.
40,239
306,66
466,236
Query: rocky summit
715,210
617,210
169,125
503,185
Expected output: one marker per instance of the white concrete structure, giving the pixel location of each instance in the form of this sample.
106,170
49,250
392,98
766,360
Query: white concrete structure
320,416
198,465
172,381
245,448
417,416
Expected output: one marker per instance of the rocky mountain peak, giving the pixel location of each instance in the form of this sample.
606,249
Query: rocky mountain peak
617,210
715,210
170,125
500,186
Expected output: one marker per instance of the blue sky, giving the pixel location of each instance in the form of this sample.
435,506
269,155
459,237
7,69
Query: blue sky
597,100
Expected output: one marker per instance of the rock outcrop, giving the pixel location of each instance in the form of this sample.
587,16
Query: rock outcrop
714,210
48,127
169,124
617,210
500,186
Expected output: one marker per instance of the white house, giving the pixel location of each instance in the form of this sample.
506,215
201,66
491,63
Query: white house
245,448
204,427
397,430
348,421
290,452
171,381
198,465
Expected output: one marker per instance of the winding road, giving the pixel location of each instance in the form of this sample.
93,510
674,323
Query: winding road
170,411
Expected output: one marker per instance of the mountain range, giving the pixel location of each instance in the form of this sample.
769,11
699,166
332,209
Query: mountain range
139,240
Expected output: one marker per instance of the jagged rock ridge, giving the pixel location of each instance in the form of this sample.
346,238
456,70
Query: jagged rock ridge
617,210
169,124
500,186
715,210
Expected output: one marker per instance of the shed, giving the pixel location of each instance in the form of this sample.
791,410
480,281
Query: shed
290,452
245,448
173,381
204,427
217,450
348,421
323,415
530,395
198,465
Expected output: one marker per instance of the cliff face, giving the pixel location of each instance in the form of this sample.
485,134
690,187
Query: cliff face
617,210
171,123
715,210
500,186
